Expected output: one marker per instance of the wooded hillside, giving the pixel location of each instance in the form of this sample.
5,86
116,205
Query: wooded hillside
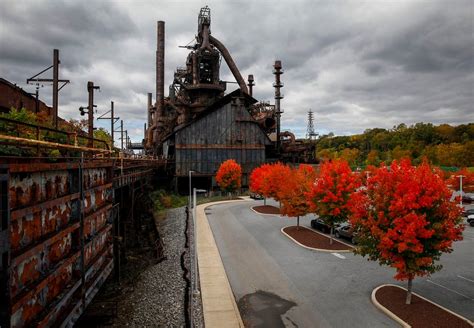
442,145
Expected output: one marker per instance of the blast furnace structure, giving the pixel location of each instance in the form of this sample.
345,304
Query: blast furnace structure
198,126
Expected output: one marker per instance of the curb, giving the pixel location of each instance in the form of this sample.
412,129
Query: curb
312,248
400,321
339,240
201,208
278,215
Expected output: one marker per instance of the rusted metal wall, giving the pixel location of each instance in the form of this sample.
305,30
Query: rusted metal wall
59,243
225,133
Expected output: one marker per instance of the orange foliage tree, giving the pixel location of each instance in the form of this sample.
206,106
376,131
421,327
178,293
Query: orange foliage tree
257,178
330,194
405,219
229,176
277,176
294,190
467,180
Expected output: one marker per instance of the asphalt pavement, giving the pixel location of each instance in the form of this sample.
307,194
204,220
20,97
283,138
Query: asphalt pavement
277,283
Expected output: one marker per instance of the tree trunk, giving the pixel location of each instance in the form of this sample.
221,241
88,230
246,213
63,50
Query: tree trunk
330,236
298,222
279,204
410,282
265,201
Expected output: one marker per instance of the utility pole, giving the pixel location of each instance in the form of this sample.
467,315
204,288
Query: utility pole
113,120
55,86
112,125
90,88
55,80
121,133
36,94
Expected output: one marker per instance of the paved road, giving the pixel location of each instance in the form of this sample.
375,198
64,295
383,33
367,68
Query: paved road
279,284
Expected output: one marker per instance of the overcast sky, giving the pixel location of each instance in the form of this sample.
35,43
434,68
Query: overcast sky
356,64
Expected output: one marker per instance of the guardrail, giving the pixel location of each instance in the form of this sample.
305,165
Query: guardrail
17,133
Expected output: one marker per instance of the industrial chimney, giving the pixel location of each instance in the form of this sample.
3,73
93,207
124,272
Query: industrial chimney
250,84
160,71
278,85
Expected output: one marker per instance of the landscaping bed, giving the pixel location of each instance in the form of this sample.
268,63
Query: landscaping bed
312,239
420,313
266,209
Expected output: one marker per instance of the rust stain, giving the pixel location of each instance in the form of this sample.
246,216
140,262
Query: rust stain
58,283
59,249
24,273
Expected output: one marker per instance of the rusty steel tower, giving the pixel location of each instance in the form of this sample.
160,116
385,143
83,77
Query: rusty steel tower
310,133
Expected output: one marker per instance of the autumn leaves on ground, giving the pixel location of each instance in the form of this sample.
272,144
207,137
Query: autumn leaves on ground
403,214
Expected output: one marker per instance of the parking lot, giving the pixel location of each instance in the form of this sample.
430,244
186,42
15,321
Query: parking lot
320,289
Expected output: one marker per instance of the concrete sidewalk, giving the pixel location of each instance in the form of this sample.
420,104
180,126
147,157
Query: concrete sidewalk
218,302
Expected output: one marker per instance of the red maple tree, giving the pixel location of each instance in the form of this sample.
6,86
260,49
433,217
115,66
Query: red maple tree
405,219
257,178
294,190
229,176
276,177
329,195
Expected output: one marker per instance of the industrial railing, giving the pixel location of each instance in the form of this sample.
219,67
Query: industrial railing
17,133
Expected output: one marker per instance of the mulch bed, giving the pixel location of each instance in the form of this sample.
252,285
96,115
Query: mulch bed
419,313
313,239
267,209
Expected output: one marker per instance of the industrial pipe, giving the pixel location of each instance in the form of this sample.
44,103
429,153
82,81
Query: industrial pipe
230,62
205,37
290,135
267,122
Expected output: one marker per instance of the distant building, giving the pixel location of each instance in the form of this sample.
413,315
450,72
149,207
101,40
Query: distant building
12,96
226,130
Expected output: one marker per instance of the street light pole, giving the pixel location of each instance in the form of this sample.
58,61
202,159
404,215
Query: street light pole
460,189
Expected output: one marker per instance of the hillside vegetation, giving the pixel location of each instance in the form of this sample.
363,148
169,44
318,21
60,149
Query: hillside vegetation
443,145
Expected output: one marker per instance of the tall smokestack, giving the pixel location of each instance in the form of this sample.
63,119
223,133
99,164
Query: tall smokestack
150,105
250,84
160,70
278,85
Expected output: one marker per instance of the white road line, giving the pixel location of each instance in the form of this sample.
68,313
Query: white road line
465,278
434,283
339,256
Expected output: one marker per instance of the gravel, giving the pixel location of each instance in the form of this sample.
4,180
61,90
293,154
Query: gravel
158,296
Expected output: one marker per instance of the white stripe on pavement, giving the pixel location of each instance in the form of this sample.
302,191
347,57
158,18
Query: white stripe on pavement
339,256
451,290
465,278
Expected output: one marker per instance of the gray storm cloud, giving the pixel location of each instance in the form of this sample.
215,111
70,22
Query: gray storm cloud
357,65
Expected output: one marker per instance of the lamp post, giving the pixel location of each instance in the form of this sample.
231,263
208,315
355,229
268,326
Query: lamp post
460,188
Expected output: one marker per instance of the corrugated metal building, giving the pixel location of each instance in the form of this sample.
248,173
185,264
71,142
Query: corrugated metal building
225,130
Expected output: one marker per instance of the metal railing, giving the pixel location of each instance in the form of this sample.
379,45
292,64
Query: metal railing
17,133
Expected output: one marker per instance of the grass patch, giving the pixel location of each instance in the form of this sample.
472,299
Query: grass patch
164,200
